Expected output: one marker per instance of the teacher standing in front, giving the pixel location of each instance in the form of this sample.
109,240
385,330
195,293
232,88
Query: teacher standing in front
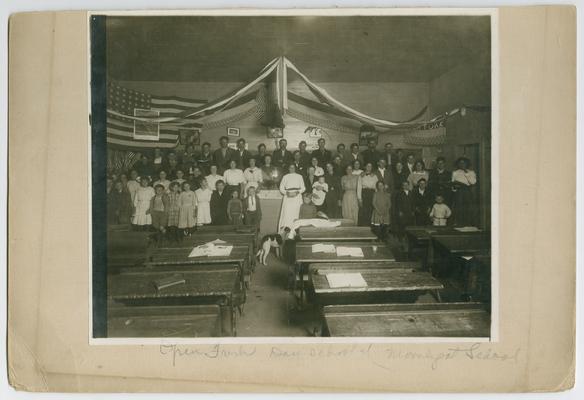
291,187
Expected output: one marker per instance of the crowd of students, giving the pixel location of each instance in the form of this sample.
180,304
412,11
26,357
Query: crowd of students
177,191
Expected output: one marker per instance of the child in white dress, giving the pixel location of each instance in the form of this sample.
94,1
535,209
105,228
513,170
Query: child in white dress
203,195
144,194
440,212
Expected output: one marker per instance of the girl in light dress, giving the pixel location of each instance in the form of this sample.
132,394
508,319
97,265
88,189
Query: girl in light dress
203,195
187,207
144,194
350,203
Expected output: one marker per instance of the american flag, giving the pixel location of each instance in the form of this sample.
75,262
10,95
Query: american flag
127,133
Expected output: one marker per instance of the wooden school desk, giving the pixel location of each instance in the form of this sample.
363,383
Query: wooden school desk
164,321
239,255
203,286
448,251
383,285
304,256
339,233
199,238
408,320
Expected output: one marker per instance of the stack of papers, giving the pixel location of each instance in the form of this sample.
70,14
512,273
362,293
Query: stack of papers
349,251
346,280
468,229
212,249
323,248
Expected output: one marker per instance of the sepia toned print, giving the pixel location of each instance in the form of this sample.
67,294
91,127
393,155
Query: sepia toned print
381,228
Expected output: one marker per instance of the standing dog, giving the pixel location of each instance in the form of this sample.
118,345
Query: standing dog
268,242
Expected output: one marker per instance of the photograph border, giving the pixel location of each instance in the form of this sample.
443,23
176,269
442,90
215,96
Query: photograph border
495,132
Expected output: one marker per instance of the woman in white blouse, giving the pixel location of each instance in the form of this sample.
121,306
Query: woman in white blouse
291,187
253,176
233,178
464,181
213,177
418,173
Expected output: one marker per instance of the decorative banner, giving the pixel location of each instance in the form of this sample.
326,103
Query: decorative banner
429,134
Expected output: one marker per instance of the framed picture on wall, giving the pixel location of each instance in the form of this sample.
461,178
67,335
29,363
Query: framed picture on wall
365,136
275,132
233,132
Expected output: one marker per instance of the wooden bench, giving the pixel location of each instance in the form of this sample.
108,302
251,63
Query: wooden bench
203,286
408,320
164,321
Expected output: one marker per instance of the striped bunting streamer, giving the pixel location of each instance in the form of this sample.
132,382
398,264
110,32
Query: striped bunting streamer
124,102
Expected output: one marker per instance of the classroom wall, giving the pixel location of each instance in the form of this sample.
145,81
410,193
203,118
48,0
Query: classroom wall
467,84
389,100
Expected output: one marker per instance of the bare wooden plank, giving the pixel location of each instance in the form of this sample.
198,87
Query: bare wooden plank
163,321
341,233
418,322
340,266
140,284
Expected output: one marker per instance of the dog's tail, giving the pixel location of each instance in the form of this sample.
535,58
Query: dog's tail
258,253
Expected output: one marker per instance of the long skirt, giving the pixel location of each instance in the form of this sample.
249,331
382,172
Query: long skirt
186,217
203,213
463,207
290,211
367,207
350,206
331,203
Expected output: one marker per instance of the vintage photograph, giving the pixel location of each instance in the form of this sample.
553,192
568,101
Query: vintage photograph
305,176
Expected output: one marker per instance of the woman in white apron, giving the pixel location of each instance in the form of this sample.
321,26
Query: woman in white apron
292,187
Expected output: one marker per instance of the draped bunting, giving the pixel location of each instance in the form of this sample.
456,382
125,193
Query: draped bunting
254,100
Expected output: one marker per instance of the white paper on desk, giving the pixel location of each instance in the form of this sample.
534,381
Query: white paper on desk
349,251
323,248
217,241
199,251
346,280
467,257
220,251
468,229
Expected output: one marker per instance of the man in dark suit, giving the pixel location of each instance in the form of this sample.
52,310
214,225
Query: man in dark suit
223,155
410,164
388,155
305,156
241,156
205,159
282,158
440,180
384,175
300,166
353,156
371,155
422,203
322,154
218,203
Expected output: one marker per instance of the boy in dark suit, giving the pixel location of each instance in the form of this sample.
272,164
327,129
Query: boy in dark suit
422,203
252,208
404,209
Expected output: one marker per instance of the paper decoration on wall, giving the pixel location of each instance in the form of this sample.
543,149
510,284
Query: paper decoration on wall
314,132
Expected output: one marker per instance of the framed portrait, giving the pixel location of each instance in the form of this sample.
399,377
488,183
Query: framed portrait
275,132
365,136
145,130
233,132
